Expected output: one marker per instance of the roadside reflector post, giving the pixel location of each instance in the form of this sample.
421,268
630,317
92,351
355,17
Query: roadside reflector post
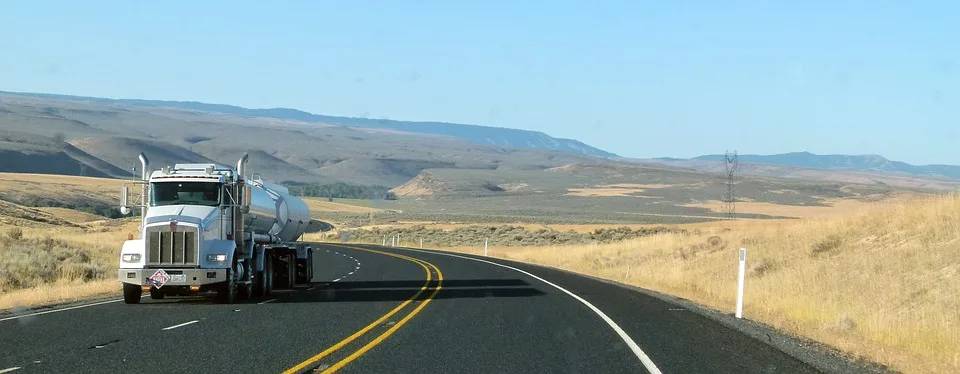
485,246
393,241
740,276
384,241
421,243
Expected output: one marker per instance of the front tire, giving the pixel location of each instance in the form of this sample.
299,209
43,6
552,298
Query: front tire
132,293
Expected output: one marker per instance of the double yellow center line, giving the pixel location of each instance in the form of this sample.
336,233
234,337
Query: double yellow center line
337,366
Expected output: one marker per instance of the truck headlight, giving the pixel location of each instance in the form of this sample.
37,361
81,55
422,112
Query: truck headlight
217,258
130,257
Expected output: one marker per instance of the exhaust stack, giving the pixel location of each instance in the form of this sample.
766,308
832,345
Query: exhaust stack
145,177
242,167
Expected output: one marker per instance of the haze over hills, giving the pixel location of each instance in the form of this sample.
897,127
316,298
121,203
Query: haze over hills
864,169
498,136
102,137
869,163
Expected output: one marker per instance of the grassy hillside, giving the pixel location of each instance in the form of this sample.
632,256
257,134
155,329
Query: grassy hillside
880,281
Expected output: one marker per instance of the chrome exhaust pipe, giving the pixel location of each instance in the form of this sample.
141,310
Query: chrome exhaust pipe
145,177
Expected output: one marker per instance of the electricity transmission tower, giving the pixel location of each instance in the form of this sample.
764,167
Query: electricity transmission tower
731,164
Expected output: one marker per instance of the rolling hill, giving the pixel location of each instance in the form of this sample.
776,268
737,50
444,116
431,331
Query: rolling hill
489,135
50,134
866,163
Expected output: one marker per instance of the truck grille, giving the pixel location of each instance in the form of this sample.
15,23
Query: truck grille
176,248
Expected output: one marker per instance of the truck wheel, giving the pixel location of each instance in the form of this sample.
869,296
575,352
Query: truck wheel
132,293
245,291
227,292
291,270
156,294
268,275
258,280
302,272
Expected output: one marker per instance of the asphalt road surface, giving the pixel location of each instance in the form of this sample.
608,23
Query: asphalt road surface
386,310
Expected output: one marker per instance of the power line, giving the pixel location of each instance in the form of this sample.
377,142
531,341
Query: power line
731,165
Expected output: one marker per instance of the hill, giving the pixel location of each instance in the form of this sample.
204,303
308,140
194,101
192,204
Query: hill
489,135
864,163
48,134
874,170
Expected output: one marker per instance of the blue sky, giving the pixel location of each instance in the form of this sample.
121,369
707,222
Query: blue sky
638,78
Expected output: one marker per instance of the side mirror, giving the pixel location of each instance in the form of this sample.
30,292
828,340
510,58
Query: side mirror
124,197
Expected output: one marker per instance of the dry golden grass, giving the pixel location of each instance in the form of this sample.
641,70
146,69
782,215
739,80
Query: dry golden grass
61,292
883,283
101,240
73,216
48,185
835,207
319,205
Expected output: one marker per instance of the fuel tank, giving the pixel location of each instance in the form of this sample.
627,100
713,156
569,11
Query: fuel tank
274,211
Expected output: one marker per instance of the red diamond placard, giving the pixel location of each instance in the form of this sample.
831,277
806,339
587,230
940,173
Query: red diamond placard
159,278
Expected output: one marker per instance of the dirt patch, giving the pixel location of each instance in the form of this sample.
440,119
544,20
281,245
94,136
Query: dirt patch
317,205
424,184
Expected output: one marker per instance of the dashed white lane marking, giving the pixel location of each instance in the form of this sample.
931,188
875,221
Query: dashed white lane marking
647,362
268,301
355,268
7,370
60,310
311,288
180,325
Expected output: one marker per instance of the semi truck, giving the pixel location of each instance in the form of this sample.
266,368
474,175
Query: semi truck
206,228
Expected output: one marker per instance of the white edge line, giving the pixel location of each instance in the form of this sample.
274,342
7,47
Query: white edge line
59,310
336,280
647,362
268,301
7,370
181,325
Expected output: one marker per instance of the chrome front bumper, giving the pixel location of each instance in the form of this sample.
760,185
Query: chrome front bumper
177,277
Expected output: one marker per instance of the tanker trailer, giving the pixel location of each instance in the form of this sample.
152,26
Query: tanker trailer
207,228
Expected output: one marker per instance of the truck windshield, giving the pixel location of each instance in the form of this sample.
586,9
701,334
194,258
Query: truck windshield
185,193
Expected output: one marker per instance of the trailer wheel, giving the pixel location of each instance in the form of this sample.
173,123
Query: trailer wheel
132,293
268,275
291,269
259,281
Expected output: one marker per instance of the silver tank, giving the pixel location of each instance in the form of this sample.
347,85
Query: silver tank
274,211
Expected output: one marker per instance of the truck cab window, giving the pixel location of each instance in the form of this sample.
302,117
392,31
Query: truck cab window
185,193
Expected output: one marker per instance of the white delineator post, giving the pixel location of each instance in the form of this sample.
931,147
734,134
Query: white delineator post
384,240
485,247
740,276
393,241
421,243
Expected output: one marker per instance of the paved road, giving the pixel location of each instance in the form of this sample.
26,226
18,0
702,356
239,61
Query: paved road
373,310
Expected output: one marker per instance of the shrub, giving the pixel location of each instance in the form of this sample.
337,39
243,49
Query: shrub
15,233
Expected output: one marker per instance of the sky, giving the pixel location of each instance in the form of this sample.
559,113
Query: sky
637,78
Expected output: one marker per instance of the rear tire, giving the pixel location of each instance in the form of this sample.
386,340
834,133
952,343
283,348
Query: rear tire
259,283
245,291
132,293
291,270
